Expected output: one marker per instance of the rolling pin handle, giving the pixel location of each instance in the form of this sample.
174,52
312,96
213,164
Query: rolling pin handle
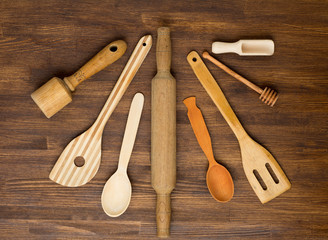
163,49
163,215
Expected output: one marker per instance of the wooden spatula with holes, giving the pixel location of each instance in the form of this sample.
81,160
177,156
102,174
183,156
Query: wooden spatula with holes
262,171
88,145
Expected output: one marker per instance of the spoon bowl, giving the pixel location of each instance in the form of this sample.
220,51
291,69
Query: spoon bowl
218,178
116,194
219,183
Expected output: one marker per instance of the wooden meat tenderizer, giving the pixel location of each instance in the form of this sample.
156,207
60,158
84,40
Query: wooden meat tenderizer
56,93
163,132
268,96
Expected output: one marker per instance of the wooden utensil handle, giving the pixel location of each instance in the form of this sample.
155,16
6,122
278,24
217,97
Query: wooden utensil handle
232,73
105,57
225,47
163,215
163,49
131,129
199,127
215,92
136,59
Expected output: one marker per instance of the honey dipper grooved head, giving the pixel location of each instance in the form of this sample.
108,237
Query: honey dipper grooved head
269,96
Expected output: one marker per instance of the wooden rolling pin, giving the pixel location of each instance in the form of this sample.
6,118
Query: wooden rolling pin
55,94
163,132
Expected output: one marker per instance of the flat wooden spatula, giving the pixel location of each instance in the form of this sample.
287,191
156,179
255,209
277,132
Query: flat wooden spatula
67,171
262,171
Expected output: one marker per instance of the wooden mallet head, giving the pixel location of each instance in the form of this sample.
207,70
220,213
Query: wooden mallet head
57,93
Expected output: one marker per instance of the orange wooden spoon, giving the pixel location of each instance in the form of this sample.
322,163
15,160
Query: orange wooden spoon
218,178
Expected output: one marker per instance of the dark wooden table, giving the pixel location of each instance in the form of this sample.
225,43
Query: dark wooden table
42,39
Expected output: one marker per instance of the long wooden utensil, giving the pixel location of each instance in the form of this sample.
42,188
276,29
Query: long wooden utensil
218,179
163,132
55,94
87,146
117,191
262,171
267,95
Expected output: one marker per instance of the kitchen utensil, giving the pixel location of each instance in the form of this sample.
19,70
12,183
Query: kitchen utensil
87,147
163,132
263,47
56,93
218,178
262,171
268,96
116,194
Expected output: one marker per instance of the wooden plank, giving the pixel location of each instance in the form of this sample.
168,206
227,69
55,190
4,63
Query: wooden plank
43,39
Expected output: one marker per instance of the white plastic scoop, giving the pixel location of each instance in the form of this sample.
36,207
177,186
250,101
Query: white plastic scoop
116,194
245,47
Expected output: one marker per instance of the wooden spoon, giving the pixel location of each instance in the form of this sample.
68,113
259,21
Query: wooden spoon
218,178
116,194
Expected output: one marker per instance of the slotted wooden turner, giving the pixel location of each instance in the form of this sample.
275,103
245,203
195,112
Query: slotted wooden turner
262,171
88,145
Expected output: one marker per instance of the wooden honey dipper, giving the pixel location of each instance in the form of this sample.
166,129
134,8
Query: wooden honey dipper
268,96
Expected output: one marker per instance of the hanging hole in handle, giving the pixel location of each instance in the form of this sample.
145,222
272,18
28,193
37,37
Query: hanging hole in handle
144,44
273,175
113,48
194,59
79,161
259,179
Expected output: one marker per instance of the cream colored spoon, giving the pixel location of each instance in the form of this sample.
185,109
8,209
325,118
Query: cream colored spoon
116,194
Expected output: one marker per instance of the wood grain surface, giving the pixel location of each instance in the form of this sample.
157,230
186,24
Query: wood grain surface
43,39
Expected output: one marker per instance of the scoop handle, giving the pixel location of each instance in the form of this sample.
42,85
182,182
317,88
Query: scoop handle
131,129
226,47
105,57
199,127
